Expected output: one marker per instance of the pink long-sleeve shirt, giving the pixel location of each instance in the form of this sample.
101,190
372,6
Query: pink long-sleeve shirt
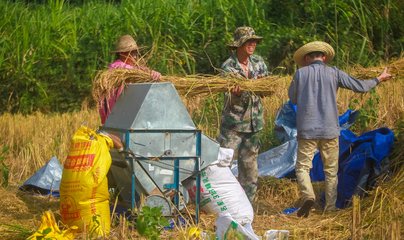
108,103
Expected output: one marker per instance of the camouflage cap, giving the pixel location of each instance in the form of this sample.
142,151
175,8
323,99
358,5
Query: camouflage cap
242,35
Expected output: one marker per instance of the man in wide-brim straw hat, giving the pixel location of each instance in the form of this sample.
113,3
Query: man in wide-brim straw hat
127,57
242,115
314,91
319,46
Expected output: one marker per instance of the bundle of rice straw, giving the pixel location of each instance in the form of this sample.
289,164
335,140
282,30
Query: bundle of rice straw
188,86
395,68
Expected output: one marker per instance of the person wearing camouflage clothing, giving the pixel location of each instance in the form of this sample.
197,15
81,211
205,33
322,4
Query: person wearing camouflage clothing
242,115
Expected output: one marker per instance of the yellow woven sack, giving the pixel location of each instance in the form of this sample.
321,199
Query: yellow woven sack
84,197
50,230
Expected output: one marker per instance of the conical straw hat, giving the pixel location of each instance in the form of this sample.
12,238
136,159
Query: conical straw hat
126,43
316,46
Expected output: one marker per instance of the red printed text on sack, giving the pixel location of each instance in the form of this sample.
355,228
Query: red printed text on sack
79,162
80,146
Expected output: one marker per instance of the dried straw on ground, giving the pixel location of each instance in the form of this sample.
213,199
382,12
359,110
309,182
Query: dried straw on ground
191,85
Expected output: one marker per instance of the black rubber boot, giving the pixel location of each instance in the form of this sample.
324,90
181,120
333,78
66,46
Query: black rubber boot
305,209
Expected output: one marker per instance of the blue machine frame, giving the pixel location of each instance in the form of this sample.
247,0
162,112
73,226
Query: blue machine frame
177,159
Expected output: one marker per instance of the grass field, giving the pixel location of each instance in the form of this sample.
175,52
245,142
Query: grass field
28,141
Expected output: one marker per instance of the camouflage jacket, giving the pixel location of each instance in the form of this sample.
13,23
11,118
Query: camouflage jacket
244,113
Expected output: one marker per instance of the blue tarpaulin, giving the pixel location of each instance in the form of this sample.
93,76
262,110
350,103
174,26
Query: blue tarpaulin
46,180
360,160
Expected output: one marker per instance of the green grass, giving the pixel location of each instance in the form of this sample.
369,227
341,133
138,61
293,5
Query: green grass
50,46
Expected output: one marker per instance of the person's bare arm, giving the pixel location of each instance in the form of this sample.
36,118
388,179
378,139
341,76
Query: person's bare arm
117,141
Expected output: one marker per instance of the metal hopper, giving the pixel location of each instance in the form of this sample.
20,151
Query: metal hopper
160,136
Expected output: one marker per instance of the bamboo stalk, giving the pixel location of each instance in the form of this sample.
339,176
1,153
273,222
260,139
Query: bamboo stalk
356,219
395,230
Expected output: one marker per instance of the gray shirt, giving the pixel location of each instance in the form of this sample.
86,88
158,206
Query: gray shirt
314,90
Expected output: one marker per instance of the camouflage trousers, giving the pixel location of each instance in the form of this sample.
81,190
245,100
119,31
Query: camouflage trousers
246,147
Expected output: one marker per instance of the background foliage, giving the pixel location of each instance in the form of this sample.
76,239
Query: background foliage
50,50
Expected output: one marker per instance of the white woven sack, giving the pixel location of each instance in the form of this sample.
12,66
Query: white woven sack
222,194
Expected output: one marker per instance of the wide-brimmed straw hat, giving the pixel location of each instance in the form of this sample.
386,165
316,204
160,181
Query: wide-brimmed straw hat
242,35
316,46
126,43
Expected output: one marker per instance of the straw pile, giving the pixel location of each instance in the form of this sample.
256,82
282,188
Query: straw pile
188,86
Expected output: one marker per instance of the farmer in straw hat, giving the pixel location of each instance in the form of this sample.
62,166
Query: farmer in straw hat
314,90
128,57
242,115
